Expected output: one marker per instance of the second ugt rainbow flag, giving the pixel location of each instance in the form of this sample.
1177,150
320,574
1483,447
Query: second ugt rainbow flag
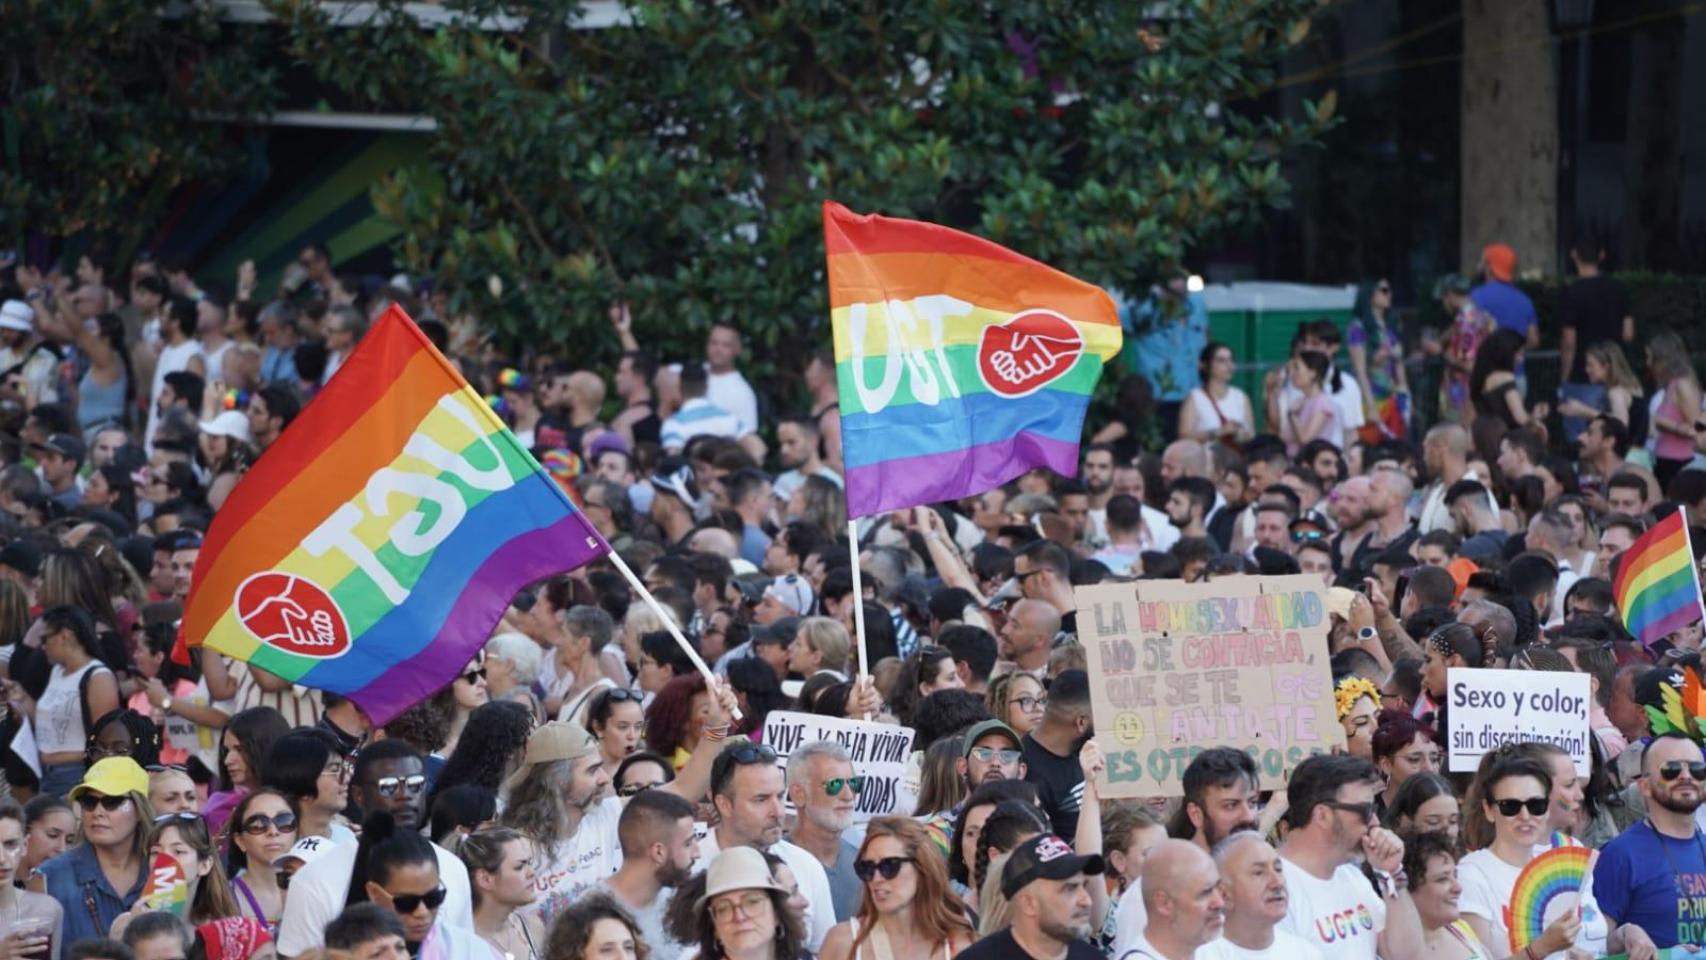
375,545
961,363
1657,589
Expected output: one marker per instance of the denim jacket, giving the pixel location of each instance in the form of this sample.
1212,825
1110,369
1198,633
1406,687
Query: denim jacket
74,878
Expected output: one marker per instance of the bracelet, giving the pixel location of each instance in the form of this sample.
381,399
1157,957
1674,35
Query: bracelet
715,734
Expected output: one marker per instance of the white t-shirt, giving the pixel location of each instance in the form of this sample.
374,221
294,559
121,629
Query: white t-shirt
318,890
731,392
173,358
59,712
1342,917
1487,886
1130,917
650,919
1213,414
808,870
1286,946
591,855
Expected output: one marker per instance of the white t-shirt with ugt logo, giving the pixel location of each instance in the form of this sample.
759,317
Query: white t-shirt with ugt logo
1341,916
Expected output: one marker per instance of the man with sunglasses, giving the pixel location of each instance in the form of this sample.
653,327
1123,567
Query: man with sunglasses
389,776
748,789
1646,880
824,790
1333,905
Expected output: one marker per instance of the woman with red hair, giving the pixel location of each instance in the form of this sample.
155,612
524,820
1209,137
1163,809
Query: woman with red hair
907,908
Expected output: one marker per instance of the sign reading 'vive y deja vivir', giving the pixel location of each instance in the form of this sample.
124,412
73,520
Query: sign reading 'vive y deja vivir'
1177,668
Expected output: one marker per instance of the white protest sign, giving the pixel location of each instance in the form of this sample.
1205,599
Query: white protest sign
1488,708
878,750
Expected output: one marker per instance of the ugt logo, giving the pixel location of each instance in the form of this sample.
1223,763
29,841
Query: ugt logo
293,614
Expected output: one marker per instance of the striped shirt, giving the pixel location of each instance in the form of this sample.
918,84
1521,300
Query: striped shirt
698,416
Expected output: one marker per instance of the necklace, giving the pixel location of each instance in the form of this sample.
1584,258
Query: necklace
1676,872
507,942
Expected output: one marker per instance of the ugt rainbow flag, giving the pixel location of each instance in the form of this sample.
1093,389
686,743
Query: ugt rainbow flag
961,363
1657,586
375,545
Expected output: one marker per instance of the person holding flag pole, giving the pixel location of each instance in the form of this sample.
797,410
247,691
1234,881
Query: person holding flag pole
961,365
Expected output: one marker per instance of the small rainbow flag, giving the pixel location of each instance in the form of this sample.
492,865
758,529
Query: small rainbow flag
375,545
1657,586
961,363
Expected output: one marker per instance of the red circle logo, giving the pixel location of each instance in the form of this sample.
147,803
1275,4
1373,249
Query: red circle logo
1028,352
293,614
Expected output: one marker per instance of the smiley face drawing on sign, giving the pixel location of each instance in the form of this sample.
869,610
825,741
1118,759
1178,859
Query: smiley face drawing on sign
292,614
1028,352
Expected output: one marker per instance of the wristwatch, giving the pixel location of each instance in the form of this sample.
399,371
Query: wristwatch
1366,633
166,705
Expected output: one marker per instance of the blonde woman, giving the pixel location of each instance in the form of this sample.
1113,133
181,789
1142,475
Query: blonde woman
1625,397
1675,406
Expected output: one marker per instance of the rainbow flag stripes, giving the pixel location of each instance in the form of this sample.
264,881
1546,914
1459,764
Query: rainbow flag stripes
961,363
375,545
1657,586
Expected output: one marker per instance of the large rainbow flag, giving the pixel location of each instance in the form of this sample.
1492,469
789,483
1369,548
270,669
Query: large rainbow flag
375,545
1657,586
961,363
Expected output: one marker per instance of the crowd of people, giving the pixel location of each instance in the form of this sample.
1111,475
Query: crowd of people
581,791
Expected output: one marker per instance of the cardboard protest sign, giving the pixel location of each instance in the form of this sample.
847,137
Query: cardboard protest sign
878,750
1487,708
1176,668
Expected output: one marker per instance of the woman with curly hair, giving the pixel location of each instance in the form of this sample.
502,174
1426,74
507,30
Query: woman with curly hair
1018,699
490,747
675,720
595,928
908,909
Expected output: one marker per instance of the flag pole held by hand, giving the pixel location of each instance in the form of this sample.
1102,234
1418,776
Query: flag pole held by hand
668,622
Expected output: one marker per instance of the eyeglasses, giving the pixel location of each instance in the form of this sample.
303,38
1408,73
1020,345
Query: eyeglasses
1383,288
257,824
337,769
1022,577
471,676
1671,769
986,754
407,903
388,786
748,906
1307,536
889,867
89,801
102,751
1363,811
1029,704
1537,806
833,787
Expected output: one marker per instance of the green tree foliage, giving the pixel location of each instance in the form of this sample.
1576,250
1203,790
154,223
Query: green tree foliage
679,158
109,107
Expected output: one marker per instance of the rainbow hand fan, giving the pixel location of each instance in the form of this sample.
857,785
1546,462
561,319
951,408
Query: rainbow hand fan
1559,872
168,888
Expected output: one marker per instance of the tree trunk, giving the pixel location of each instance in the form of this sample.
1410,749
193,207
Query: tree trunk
1510,132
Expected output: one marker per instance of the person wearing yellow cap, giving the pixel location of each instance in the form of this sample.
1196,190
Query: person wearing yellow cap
102,876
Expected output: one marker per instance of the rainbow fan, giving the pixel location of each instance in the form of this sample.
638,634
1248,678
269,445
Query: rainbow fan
1559,872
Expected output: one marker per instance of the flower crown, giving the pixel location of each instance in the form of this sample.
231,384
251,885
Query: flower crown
1348,691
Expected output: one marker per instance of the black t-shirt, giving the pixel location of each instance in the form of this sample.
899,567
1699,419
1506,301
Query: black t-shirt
1060,786
1002,946
1595,306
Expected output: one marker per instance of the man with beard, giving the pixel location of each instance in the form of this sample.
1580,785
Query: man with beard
1185,902
1647,878
1256,902
1096,470
1048,887
824,789
797,441
991,751
1387,520
1220,789
1333,905
658,851
388,776
1051,750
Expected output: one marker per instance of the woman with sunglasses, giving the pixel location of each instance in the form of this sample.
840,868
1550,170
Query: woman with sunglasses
1377,356
616,718
35,918
400,873
244,746
1513,790
263,828
467,692
908,909
1017,698
103,875
79,689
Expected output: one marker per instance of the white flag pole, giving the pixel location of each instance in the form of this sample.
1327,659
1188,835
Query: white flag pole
668,622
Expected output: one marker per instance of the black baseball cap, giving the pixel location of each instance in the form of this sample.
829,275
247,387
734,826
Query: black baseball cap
21,556
1046,857
65,445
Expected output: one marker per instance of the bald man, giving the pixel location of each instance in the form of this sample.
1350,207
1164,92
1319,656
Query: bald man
1028,635
1256,902
1184,458
1445,453
1182,895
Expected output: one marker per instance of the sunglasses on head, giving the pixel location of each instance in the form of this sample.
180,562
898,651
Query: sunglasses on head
619,694
183,815
1536,806
1307,536
257,824
833,787
388,786
889,867
751,753
634,789
407,903
1671,769
89,801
